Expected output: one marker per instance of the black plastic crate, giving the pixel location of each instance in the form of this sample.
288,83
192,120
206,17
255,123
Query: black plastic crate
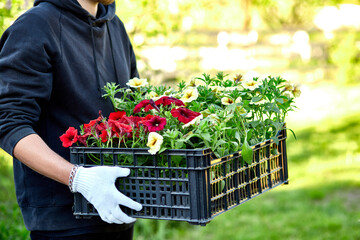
187,185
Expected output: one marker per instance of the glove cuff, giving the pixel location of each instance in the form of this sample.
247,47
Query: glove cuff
82,180
72,176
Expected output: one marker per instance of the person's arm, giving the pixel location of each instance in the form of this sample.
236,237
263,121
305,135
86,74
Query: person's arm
96,184
34,153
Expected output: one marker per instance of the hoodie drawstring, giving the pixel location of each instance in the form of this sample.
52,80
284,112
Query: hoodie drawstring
94,56
112,54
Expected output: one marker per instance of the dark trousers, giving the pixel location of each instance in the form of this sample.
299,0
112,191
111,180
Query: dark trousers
124,235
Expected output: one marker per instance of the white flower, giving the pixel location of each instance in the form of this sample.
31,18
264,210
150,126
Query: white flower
137,82
190,94
193,122
227,101
296,90
128,90
251,85
152,95
154,142
238,100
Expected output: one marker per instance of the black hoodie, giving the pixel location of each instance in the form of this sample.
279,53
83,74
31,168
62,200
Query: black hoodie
54,60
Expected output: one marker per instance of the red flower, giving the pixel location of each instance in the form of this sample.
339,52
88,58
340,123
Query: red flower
88,128
69,137
82,138
117,115
119,129
152,105
141,105
155,124
100,127
184,115
104,136
132,120
165,101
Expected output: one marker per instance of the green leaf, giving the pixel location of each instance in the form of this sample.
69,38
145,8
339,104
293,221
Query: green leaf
206,136
275,139
256,99
279,100
237,136
218,143
247,152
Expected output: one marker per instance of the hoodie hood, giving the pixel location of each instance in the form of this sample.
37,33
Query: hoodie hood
104,14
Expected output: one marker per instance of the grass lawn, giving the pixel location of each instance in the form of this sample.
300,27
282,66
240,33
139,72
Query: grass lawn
321,201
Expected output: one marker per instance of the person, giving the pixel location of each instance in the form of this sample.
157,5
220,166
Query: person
54,61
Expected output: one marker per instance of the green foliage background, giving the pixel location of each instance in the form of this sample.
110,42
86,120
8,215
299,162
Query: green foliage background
321,201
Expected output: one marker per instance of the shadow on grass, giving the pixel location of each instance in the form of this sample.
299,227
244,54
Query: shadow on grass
322,143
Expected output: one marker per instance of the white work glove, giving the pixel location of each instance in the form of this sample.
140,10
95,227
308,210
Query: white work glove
97,185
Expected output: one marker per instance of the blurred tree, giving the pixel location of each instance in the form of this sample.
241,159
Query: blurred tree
10,10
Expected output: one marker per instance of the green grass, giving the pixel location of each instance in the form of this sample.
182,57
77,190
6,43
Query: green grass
320,202
11,223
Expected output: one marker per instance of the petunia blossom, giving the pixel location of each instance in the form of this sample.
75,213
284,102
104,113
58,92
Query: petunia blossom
69,137
251,85
119,129
184,115
227,101
117,115
154,142
296,90
104,136
190,94
141,105
137,82
155,124
165,101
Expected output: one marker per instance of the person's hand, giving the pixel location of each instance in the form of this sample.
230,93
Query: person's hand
97,185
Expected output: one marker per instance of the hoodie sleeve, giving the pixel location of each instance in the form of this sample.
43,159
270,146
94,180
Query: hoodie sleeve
25,77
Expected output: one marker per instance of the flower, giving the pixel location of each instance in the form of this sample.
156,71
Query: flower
82,138
154,142
133,121
119,129
69,137
238,78
152,95
250,85
117,115
190,94
195,121
296,90
226,101
137,82
165,101
155,124
141,105
287,86
92,122
104,136
184,115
